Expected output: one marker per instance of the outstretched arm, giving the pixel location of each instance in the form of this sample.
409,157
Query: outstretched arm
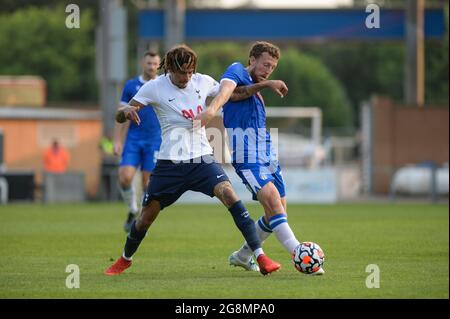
226,89
120,131
129,112
244,92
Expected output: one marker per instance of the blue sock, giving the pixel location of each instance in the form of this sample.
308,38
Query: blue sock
134,239
264,225
245,224
263,230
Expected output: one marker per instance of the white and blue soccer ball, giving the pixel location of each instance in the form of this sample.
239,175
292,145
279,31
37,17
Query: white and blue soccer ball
308,257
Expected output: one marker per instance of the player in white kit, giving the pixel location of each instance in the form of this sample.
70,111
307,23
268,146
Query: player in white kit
185,160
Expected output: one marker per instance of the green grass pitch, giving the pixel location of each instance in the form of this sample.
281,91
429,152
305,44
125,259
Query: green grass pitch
185,252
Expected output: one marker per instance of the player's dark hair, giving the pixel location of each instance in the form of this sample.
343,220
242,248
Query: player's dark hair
260,47
178,56
150,53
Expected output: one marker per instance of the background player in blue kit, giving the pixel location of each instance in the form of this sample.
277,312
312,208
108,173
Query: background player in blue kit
142,142
253,155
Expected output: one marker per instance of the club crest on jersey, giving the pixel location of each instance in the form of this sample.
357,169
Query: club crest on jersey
198,92
263,176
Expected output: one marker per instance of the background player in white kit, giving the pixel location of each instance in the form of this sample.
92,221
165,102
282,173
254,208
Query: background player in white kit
185,161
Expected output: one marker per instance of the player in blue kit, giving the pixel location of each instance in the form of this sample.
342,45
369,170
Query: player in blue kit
253,155
185,161
142,142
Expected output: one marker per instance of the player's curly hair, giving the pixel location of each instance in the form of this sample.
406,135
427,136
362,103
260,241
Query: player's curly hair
260,47
178,56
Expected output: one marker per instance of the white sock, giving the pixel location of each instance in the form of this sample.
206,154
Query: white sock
129,196
283,231
126,258
263,231
258,251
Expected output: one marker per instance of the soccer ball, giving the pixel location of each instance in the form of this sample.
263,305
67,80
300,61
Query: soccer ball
308,257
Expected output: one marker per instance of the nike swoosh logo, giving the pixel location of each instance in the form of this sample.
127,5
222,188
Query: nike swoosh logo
219,176
170,100
245,214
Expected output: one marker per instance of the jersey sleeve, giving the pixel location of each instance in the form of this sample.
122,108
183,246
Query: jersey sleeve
213,86
234,73
147,94
127,95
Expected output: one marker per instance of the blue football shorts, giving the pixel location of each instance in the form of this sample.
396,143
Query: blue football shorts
140,154
171,179
256,175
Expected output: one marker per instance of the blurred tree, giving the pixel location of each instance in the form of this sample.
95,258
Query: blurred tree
311,84
437,68
39,43
309,81
364,68
9,6
215,57
367,68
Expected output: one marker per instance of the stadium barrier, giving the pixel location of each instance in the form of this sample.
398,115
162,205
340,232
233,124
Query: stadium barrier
3,191
67,187
302,186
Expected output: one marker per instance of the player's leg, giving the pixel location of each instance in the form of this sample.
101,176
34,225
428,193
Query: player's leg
225,192
139,228
269,190
147,166
275,216
145,179
209,178
128,192
162,191
283,231
254,180
165,188
137,233
129,163
136,154
126,175
284,203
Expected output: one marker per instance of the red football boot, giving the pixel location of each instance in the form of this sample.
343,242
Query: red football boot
118,267
267,265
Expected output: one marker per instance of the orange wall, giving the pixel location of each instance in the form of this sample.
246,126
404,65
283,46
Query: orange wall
26,139
405,135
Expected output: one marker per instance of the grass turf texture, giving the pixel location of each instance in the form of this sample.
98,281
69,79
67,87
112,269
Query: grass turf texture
185,252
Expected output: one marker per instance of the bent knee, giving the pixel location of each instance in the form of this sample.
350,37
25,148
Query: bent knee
125,178
225,192
230,196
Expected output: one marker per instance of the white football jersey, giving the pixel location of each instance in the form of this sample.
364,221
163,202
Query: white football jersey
175,109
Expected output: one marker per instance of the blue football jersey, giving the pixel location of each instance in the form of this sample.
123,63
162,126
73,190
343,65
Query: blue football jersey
149,129
245,122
